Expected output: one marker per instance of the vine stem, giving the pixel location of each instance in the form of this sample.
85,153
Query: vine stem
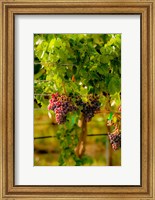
107,111
80,149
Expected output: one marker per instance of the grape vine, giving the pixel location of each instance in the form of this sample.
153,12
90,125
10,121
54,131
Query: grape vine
82,72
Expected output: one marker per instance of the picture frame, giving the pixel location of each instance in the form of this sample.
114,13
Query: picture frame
10,8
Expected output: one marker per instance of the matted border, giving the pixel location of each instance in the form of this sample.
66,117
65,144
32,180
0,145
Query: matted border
10,8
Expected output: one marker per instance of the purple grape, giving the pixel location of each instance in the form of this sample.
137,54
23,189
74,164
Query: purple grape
61,105
115,140
89,108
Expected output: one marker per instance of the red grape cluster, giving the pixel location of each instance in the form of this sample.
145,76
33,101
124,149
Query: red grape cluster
61,105
88,109
115,140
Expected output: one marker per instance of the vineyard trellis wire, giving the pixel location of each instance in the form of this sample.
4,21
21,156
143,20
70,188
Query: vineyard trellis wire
54,136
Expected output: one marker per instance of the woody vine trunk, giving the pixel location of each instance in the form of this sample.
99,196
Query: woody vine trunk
80,149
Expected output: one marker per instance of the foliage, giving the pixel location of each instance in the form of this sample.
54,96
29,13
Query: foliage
78,65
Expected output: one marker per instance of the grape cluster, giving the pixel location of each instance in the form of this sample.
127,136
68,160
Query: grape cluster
88,109
115,140
61,105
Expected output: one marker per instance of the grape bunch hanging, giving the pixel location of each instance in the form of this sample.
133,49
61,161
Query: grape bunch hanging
115,140
88,109
115,135
62,105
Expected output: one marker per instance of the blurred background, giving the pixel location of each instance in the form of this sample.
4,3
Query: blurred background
47,150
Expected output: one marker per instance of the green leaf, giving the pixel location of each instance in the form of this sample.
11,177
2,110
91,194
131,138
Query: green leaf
114,85
110,116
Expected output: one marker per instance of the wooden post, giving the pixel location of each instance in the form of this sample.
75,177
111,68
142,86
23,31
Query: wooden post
108,153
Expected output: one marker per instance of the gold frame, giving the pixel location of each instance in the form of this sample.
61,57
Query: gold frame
146,9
